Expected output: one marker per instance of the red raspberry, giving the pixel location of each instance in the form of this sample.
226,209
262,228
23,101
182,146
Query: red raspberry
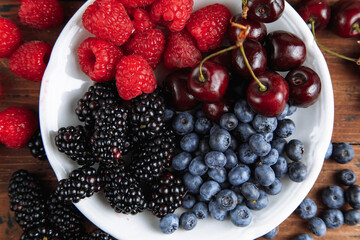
181,51
30,59
134,76
141,20
108,20
10,37
172,13
17,125
136,3
208,25
41,14
98,59
148,44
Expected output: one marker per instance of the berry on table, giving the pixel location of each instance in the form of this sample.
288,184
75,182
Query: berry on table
307,209
169,223
352,196
303,236
347,177
240,216
188,220
36,146
333,196
317,226
333,218
10,37
329,151
351,217
272,233
342,153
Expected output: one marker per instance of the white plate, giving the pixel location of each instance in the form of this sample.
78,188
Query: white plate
64,83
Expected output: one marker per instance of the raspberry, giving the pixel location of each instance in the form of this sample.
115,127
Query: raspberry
136,3
149,44
108,20
181,51
172,13
30,59
17,125
208,25
134,76
41,14
10,37
98,59
141,20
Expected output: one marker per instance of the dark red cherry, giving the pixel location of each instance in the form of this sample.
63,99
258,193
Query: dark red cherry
305,86
345,19
213,87
285,50
214,111
315,10
272,101
257,30
176,85
265,10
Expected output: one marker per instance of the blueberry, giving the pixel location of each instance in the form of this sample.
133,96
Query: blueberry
169,223
208,189
304,236
217,174
237,191
220,140
244,131
192,183
231,159
292,109
264,175
234,143
294,149
297,171
226,199
285,128
216,212
181,161
246,155
197,166
329,151
272,234
271,158
189,142
263,124
188,201
280,167
202,125
250,191
352,196
200,210
240,216
215,159
243,111
342,153
333,196
279,144
268,136
183,123
352,217
239,174
168,115
274,188
204,145
258,145
188,220
259,203
317,226
229,121
214,128
284,113
307,209
333,218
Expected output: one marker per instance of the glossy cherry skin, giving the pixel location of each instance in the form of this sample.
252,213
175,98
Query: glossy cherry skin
215,84
214,111
317,10
305,86
257,30
265,10
176,85
272,101
346,14
285,50
256,55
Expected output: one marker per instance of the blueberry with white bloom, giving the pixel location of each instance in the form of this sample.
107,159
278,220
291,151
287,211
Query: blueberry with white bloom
244,131
250,191
279,144
217,174
352,217
263,124
168,115
209,189
229,121
297,171
342,153
272,233
258,145
220,140
280,167
216,212
271,158
239,174
295,149
329,151
169,223
304,236
307,209
333,218
192,183
200,210
240,216
188,220
226,199
274,188
285,128
181,161
284,112
317,226
264,175
231,159
188,201
333,196
183,123
259,203
246,154
197,166
243,111
189,142
215,159
347,177
203,125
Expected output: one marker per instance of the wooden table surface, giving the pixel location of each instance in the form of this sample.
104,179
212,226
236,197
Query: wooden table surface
346,84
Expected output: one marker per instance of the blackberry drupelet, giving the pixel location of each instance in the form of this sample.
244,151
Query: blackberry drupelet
81,183
27,199
98,95
36,146
98,234
167,194
122,190
40,233
153,156
74,142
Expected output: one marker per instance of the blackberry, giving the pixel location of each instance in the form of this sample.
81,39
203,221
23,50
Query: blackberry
82,183
122,191
26,199
98,95
153,156
110,141
40,233
147,115
98,234
36,146
167,194
74,142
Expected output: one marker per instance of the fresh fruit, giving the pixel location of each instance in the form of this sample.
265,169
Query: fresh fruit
36,146
260,203
257,30
317,226
240,216
181,161
141,20
216,212
333,196
333,218
183,123
265,10
303,236
226,199
189,201
315,10
200,210
41,232
347,177
297,171
345,19
188,220
98,234
214,111
342,153
351,217
169,223
295,149
220,140
272,233
189,142
136,3
10,37
352,196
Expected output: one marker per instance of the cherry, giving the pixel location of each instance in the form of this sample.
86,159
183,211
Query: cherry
346,18
265,10
214,111
272,101
256,55
176,85
315,10
257,30
208,81
305,86
285,50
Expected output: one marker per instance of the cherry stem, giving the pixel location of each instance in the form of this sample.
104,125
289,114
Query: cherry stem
245,9
201,77
356,26
328,50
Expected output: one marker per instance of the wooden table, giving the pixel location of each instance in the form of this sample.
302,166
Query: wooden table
346,83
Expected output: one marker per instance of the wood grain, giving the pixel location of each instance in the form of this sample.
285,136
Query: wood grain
345,80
